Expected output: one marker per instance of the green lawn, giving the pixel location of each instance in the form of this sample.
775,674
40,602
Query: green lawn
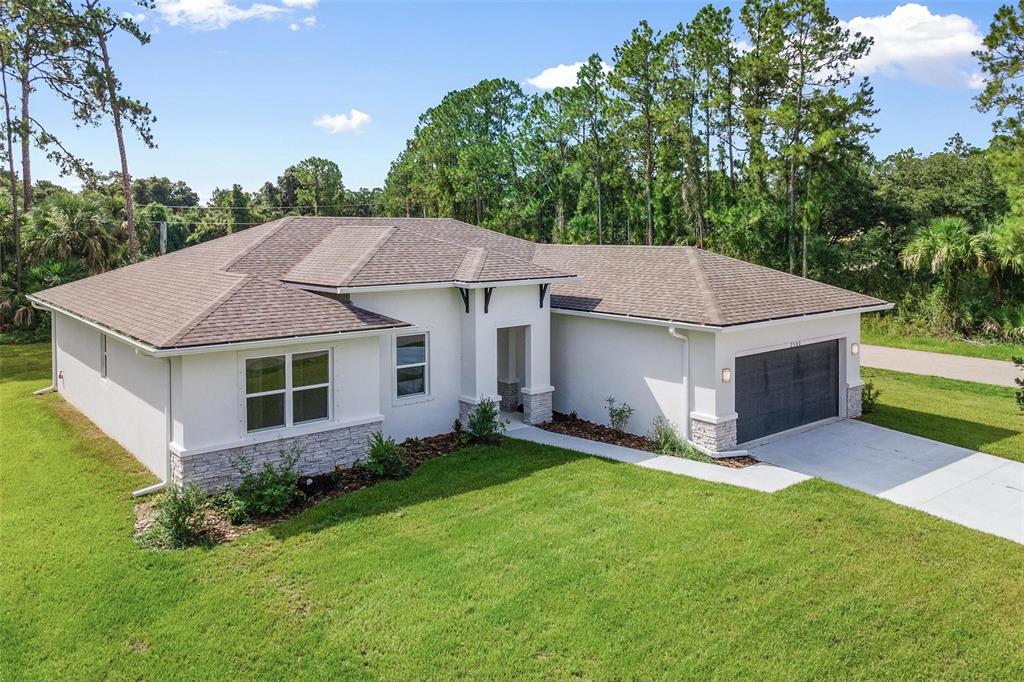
879,333
521,560
977,416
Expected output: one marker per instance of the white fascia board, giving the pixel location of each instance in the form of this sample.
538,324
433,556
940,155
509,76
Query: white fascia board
637,319
283,341
811,316
447,284
721,329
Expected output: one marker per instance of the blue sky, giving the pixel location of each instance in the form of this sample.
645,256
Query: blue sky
237,85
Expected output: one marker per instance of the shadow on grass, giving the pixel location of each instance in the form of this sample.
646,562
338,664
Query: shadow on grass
952,430
465,471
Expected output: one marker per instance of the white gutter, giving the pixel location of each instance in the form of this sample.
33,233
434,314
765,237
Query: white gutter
167,439
720,329
53,361
674,333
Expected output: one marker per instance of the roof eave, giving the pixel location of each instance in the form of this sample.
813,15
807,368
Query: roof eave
437,284
172,351
721,328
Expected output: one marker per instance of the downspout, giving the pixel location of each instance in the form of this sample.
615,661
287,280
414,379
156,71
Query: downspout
53,359
168,436
676,334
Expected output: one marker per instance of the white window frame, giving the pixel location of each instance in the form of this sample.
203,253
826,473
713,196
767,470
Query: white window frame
289,390
425,365
104,356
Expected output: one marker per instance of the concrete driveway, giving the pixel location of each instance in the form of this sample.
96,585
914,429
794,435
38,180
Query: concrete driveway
973,489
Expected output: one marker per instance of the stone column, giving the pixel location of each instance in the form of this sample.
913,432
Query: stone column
853,400
537,406
713,435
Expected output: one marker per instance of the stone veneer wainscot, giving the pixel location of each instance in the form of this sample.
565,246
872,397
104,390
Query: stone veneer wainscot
319,453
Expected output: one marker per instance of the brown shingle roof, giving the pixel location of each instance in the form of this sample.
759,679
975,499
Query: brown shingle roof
685,284
267,309
230,289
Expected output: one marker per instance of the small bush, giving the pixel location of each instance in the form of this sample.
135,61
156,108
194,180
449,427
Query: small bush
485,423
179,518
271,490
386,458
230,504
869,397
666,439
573,416
457,427
618,414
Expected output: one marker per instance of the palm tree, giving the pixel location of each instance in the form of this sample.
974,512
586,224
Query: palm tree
1007,244
948,247
68,226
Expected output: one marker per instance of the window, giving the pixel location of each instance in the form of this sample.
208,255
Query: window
410,365
103,356
283,390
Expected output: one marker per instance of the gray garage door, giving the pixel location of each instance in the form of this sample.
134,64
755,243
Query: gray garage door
786,388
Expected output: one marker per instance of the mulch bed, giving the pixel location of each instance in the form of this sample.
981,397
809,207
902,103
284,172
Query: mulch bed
581,428
312,490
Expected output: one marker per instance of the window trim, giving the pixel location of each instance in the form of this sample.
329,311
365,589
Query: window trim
288,390
425,365
104,357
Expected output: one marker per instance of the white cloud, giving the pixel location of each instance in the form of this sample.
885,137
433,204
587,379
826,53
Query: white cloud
304,4
210,15
561,76
913,44
137,17
352,122
308,22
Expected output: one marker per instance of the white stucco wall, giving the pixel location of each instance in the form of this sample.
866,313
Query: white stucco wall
209,404
778,335
639,364
129,404
463,349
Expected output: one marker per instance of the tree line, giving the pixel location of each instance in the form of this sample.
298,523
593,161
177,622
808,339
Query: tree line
745,134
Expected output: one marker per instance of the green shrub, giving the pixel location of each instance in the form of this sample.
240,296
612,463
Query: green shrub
271,490
485,423
179,518
230,504
618,414
386,458
666,440
869,397
457,427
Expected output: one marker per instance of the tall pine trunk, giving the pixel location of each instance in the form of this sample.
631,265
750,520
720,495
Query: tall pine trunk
115,112
15,217
25,129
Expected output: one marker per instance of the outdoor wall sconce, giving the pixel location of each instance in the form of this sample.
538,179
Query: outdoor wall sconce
854,349
726,375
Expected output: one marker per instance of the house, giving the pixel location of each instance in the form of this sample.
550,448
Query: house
311,333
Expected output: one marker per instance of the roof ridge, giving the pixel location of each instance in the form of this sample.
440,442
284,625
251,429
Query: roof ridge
714,308
203,314
252,247
385,237
472,263
496,252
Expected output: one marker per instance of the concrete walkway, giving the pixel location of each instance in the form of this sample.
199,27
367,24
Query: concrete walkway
763,477
996,372
973,489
